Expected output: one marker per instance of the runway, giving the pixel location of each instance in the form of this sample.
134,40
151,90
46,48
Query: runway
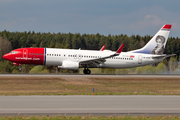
93,75
90,105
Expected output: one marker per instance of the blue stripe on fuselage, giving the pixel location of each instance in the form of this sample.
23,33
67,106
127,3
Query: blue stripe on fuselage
44,56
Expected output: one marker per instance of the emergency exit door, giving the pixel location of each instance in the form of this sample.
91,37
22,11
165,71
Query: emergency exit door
140,59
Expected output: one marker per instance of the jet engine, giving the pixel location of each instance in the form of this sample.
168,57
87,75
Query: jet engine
69,65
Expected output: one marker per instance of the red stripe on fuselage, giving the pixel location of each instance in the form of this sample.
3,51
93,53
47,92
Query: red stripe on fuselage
26,56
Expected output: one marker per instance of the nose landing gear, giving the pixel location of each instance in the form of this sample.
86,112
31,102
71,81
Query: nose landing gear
86,71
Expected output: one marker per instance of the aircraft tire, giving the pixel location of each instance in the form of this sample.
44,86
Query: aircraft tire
87,71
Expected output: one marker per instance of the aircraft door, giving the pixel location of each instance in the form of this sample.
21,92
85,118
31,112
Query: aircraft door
25,53
75,56
140,59
79,56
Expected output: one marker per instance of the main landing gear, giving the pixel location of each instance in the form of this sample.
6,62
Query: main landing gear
86,71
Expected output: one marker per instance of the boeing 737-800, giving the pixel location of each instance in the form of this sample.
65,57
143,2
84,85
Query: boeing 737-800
74,59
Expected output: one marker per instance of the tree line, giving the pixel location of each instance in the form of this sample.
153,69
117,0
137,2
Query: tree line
14,40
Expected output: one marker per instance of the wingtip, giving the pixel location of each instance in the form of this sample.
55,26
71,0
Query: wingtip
103,47
120,48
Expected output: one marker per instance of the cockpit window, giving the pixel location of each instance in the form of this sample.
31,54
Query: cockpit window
13,52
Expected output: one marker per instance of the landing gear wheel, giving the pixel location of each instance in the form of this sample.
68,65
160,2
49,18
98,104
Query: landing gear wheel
86,71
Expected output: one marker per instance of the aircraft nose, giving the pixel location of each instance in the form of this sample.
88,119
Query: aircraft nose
6,56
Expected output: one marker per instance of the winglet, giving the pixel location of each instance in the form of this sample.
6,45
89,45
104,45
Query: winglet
167,26
120,49
102,47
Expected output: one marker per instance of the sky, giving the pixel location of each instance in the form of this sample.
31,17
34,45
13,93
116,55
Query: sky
115,17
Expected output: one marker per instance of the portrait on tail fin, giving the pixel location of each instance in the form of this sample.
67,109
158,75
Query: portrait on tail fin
159,49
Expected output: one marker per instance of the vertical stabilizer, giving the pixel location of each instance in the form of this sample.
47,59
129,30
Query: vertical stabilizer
157,44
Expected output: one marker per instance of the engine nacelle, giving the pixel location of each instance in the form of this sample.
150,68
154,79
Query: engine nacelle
69,65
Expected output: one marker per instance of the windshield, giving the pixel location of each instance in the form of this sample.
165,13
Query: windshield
13,52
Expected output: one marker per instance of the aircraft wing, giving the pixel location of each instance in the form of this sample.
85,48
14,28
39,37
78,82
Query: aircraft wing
97,61
162,56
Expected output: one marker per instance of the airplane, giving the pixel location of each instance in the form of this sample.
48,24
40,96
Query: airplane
74,59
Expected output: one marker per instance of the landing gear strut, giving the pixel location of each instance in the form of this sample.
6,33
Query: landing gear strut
20,68
86,71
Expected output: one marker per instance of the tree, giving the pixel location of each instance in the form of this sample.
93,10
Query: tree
161,68
69,40
51,45
141,43
173,64
5,46
109,42
36,69
115,44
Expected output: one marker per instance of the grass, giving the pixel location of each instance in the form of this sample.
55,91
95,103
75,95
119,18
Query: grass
89,118
84,86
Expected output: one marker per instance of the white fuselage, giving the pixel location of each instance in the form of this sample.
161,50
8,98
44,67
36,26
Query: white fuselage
124,60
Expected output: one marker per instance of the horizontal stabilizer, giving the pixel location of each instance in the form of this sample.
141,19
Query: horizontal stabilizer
163,56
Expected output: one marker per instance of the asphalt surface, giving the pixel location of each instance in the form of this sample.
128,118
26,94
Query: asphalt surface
90,105
91,75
